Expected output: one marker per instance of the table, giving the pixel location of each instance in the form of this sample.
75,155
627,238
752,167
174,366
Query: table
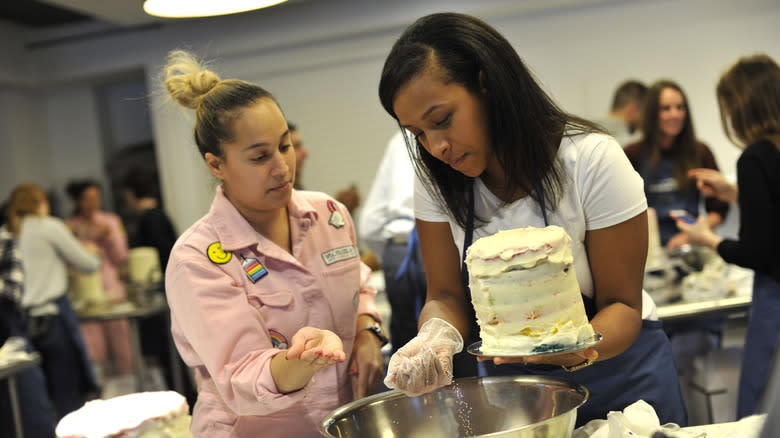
133,313
683,310
9,371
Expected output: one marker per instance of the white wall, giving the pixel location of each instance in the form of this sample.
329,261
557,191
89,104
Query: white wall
322,61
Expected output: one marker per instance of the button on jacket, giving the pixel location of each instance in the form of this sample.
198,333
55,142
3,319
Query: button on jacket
237,299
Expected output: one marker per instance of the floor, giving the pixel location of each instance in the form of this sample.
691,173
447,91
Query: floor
710,387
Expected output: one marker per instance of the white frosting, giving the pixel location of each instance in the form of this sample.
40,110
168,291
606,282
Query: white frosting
525,292
161,414
143,265
86,289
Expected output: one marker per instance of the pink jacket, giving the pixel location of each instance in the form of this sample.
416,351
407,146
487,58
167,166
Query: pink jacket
113,249
237,299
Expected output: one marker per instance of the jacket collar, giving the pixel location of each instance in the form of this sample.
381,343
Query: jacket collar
235,232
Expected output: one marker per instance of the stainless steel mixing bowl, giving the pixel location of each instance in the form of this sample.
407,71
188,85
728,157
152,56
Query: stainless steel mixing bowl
512,406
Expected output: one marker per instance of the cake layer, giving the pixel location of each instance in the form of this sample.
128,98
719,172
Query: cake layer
160,414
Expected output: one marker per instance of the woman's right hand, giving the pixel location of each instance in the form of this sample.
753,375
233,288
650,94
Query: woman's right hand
712,183
425,362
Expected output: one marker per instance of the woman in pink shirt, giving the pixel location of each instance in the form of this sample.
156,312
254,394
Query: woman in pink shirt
267,292
104,230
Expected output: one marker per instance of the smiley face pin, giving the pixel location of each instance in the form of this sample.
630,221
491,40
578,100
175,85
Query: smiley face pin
218,255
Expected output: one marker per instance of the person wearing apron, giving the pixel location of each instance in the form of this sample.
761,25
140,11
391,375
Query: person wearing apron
493,152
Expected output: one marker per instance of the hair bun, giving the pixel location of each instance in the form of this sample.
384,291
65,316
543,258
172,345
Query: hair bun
187,80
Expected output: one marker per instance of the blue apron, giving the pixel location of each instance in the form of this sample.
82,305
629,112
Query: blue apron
644,371
762,335
664,195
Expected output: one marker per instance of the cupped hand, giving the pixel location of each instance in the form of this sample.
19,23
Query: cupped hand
316,347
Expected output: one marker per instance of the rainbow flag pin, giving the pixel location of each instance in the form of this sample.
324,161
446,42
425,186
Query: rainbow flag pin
253,268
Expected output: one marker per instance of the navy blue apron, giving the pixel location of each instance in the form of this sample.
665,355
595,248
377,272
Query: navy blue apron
664,195
644,371
763,334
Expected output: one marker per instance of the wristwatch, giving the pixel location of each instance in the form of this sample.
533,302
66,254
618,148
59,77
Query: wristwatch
376,329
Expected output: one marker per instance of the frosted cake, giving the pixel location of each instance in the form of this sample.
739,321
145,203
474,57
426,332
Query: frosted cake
160,414
525,292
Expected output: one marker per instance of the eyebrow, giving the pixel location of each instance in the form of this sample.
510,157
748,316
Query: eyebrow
259,145
425,114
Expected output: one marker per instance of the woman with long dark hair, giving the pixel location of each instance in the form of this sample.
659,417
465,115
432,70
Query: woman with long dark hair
667,151
493,152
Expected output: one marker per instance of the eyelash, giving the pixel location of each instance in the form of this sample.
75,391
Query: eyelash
445,122
282,148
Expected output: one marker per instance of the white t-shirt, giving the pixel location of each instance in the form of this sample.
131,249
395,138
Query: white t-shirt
600,189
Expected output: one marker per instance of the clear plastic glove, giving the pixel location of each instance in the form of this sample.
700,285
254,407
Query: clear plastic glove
425,362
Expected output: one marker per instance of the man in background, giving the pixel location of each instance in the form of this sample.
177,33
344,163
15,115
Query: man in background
349,196
386,225
625,116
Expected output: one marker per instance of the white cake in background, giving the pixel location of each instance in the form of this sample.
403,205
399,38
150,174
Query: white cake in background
143,265
161,414
656,257
525,291
86,289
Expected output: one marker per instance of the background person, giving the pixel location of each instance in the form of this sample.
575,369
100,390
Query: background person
624,121
349,196
154,229
104,230
48,246
496,153
749,97
667,151
386,225
35,408
268,296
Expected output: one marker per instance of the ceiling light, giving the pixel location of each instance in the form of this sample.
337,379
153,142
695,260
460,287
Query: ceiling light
203,8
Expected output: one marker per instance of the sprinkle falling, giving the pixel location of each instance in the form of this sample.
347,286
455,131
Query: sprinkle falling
463,410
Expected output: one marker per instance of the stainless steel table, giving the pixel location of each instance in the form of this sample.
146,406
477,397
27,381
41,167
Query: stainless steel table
682,310
9,371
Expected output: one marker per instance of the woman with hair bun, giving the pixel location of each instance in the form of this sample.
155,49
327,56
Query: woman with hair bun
268,297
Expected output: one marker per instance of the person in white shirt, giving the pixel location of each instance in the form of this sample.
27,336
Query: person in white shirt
384,226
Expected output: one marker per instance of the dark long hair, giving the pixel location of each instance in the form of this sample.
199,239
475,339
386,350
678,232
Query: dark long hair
526,126
685,151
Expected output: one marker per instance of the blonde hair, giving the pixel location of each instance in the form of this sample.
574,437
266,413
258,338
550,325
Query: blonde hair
25,200
216,102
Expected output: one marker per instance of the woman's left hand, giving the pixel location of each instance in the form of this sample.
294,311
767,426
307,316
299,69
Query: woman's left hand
366,365
563,359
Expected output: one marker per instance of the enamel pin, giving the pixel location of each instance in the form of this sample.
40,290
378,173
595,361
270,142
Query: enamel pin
336,219
253,268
